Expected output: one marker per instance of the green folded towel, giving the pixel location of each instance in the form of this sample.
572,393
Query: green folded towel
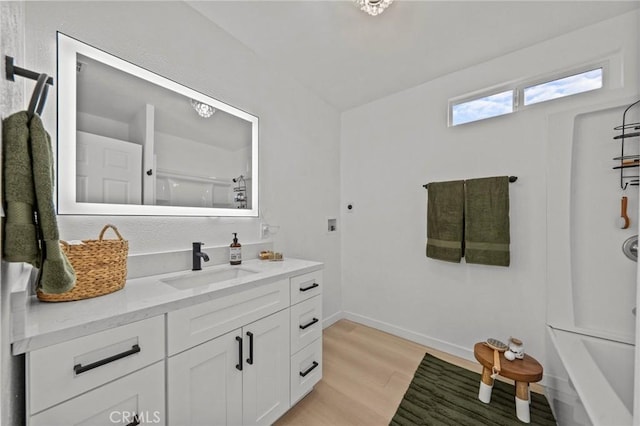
445,220
486,230
28,191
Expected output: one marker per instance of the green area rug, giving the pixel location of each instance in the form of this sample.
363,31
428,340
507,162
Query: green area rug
444,394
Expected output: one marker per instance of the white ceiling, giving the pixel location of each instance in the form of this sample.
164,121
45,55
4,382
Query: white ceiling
349,58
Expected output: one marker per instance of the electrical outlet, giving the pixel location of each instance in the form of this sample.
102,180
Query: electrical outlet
268,231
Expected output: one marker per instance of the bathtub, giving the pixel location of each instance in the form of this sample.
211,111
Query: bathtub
601,372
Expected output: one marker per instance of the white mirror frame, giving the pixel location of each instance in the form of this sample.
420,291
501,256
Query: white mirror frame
68,49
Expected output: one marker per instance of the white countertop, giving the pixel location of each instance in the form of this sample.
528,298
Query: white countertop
43,324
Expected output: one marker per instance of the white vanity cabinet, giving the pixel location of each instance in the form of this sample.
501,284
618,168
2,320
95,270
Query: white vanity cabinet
305,333
239,355
240,378
95,379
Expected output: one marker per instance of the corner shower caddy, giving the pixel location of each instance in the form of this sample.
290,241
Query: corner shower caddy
627,130
240,192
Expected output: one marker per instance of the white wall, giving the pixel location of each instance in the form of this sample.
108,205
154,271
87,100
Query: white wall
393,146
177,154
299,133
11,100
103,126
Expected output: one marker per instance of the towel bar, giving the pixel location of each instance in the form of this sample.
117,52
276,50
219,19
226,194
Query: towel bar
511,180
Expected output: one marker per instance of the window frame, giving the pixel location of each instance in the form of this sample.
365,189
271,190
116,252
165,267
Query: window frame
518,87
550,78
485,94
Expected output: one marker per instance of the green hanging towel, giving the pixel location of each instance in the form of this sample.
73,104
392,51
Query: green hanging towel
445,220
486,231
28,191
20,239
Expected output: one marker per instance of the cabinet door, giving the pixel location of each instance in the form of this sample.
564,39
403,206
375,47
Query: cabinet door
205,386
134,399
266,369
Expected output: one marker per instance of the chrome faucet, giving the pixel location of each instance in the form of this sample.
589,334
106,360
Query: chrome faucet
197,256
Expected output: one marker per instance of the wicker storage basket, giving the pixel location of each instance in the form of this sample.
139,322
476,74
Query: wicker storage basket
100,265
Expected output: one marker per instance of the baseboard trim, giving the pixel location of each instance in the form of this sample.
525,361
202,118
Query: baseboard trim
332,319
556,383
422,339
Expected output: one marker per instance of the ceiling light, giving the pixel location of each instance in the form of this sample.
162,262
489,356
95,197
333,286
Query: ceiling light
203,110
373,7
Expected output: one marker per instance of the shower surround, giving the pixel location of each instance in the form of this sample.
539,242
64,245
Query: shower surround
591,283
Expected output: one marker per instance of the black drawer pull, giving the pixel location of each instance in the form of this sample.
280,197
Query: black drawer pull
135,421
309,324
79,368
250,359
309,370
314,285
239,364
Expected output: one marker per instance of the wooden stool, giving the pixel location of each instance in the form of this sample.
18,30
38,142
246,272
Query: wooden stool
522,371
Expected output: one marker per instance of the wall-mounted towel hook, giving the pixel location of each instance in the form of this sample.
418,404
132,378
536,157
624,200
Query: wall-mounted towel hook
39,96
11,71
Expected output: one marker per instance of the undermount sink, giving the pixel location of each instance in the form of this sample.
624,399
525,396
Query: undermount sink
205,277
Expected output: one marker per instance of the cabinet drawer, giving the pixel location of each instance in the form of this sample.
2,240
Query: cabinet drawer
196,324
62,371
305,286
306,370
139,394
306,323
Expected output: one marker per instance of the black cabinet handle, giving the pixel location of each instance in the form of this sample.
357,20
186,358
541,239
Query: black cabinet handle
309,370
314,285
250,359
79,368
239,364
135,421
309,324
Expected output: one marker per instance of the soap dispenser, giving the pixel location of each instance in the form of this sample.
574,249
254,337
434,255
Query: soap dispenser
235,252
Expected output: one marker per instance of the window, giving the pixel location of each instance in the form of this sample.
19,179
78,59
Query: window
528,92
478,109
567,86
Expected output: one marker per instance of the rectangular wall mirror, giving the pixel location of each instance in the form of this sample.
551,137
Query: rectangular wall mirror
131,142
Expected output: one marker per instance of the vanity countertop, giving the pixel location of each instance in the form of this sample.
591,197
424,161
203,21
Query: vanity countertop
42,324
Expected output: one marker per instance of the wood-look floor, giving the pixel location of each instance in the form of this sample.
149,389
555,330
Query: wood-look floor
365,375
